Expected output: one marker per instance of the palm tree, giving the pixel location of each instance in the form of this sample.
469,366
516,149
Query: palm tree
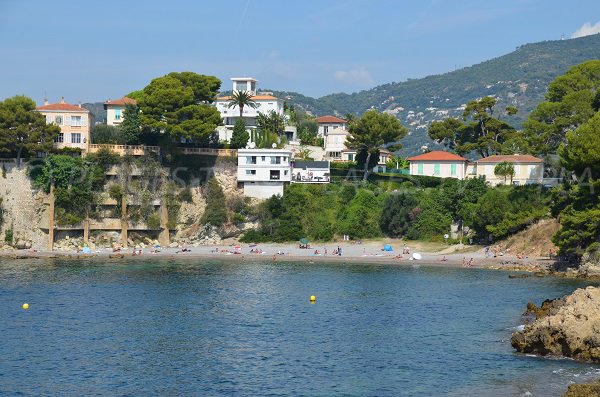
505,169
241,99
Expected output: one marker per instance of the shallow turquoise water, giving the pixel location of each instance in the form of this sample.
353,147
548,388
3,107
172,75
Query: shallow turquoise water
247,329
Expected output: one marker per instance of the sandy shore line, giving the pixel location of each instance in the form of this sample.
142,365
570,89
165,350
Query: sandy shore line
367,253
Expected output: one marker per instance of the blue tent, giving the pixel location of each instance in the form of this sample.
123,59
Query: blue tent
86,250
387,247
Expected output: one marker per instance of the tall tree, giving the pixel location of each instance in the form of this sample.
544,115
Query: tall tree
479,130
371,132
215,212
131,126
581,150
505,169
179,104
23,128
242,99
239,137
571,100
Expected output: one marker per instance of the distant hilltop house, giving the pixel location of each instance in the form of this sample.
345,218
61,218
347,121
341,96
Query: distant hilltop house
115,109
265,104
330,123
75,124
528,169
439,163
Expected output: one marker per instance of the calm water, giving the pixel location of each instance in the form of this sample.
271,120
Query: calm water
208,329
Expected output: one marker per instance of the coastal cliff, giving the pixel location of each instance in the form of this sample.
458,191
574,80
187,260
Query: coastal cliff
569,327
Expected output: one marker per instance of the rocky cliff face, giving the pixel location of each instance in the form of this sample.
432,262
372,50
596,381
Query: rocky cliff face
569,327
23,207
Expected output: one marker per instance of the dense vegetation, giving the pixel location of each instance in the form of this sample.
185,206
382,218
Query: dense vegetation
375,209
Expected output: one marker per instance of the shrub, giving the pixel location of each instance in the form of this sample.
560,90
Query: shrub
185,195
8,236
153,221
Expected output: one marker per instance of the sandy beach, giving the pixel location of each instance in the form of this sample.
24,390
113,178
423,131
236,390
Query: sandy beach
351,253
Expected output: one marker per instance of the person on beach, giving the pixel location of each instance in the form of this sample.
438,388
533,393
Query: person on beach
464,262
444,259
470,262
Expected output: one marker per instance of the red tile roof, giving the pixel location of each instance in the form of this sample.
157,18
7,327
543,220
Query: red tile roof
437,155
123,101
330,119
514,158
62,106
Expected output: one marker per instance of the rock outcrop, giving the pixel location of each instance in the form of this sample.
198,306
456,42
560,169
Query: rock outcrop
569,327
583,390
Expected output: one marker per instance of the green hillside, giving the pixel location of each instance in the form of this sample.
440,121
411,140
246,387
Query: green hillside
518,79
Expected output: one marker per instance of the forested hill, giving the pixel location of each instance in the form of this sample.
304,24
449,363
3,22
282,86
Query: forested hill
518,79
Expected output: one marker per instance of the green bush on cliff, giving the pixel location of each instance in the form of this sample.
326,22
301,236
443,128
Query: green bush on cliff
215,212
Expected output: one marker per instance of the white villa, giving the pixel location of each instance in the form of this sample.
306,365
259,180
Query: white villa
74,121
439,163
310,171
528,169
116,108
265,101
329,123
263,172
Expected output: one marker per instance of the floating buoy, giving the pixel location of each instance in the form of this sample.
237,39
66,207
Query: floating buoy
25,306
313,299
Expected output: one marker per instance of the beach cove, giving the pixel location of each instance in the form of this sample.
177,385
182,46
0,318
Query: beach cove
188,325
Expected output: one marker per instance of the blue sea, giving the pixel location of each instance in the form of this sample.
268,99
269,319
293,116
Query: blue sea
207,328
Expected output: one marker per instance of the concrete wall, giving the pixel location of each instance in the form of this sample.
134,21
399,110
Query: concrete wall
263,190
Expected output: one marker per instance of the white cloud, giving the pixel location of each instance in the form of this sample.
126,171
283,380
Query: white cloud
357,77
586,29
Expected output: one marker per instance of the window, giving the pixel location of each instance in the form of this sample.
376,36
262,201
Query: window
325,129
75,137
251,160
117,114
350,156
274,175
285,172
76,121
276,160
60,138
436,169
420,169
453,169
58,120
262,158
250,172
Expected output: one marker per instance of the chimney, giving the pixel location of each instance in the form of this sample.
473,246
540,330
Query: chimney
62,99
45,101
79,104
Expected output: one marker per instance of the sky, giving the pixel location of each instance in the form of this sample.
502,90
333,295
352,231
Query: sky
91,51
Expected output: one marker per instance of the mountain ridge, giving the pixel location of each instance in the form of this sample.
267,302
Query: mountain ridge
519,78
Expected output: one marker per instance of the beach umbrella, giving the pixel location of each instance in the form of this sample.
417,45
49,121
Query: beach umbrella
416,256
304,241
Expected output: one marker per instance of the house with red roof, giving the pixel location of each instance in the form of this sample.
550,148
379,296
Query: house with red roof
528,169
115,109
439,163
75,123
329,123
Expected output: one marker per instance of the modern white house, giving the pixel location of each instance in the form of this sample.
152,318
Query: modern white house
263,172
329,123
528,169
439,163
335,144
115,109
384,156
266,103
310,171
75,124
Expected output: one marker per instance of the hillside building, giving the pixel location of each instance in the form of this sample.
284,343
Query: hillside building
329,123
75,124
263,172
116,108
439,163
